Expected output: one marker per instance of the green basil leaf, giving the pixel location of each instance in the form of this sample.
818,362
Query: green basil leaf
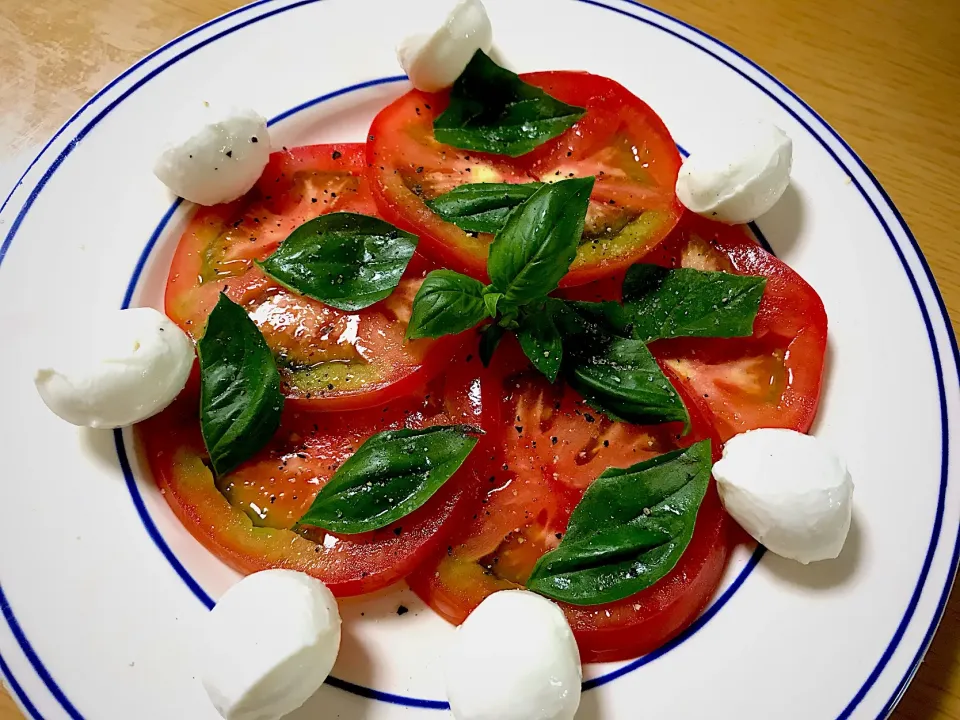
593,322
489,339
447,303
490,301
482,207
690,303
622,379
392,474
534,249
492,110
345,260
629,530
541,342
240,399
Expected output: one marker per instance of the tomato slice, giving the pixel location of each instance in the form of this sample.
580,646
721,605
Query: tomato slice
245,518
552,446
620,141
329,359
771,379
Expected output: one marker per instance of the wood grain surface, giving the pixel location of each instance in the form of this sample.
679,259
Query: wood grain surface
885,74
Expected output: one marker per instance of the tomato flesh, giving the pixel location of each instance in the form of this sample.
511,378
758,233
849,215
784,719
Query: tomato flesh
245,518
328,359
552,445
620,140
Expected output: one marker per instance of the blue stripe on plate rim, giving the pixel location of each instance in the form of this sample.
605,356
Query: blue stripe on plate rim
634,7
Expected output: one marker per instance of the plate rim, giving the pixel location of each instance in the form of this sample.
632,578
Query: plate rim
24,700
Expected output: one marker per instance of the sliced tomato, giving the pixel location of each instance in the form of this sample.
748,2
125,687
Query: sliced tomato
329,359
771,379
552,446
620,141
245,518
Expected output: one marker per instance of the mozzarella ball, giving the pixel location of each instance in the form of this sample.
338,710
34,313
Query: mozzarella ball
215,155
120,369
434,59
788,490
739,176
269,644
514,658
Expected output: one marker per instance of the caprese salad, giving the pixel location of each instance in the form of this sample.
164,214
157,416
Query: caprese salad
512,349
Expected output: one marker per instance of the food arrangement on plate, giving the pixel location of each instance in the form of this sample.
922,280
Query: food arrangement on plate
513,350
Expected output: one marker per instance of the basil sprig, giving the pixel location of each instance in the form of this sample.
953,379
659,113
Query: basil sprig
392,474
526,261
690,303
492,110
482,207
599,348
240,399
628,531
346,260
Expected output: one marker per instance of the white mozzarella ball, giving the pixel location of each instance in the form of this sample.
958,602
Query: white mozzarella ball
215,154
434,59
269,644
739,176
514,658
120,369
788,490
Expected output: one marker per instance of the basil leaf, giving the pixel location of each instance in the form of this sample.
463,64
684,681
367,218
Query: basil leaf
447,303
534,249
690,303
392,474
345,260
596,322
489,339
490,301
492,110
541,342
622,379
240,400
482,207
629,530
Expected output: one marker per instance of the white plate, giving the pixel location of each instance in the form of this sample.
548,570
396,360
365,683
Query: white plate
103,591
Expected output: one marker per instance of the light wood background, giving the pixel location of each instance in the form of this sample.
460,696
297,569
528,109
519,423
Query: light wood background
885,74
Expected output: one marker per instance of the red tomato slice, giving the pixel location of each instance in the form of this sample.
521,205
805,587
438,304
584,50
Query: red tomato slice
245,517
553,446
329,359
620,140
771,379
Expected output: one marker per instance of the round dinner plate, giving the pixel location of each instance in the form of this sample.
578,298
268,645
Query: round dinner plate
103,592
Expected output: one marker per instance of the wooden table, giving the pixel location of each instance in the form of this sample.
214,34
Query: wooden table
885,74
